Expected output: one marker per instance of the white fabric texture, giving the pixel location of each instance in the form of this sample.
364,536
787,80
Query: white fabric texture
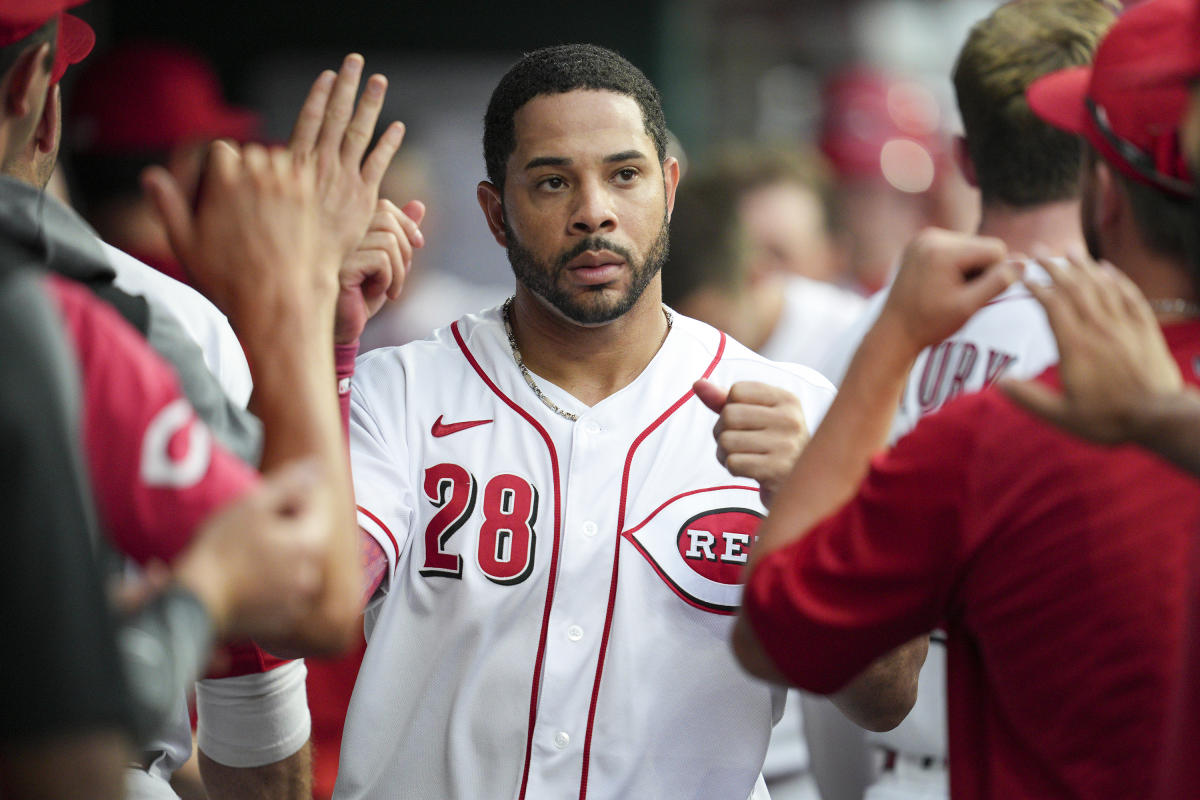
202,321
253,720
444,700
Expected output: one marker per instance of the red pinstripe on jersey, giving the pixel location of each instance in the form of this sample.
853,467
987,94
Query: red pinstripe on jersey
612,591
550,581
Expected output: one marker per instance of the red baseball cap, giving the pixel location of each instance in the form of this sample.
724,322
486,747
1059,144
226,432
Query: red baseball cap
875,125
1129,103
20,18
150,96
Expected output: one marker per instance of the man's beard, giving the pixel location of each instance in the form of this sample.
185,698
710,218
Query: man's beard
541,278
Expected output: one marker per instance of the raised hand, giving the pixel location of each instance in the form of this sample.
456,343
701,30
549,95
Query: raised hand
1113,360
251,243
335,134
375,271
760,431
944,278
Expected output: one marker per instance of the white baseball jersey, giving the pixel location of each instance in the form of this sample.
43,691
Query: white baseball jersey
1009,337
815,317
556,617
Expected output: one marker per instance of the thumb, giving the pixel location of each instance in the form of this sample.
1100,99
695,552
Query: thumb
414,210
1035,397
168,200
710,394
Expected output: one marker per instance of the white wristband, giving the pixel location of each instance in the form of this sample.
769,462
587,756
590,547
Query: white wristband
253,720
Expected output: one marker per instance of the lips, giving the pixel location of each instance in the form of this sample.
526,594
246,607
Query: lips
596,267
595,258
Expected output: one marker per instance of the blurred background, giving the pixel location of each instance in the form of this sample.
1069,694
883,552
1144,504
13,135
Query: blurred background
729,70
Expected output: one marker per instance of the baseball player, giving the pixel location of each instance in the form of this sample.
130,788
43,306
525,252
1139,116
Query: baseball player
1057,566
561,548
1028,177
146,518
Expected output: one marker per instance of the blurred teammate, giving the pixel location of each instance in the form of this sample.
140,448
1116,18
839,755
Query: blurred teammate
735,254
1058,566
1028,178
140,104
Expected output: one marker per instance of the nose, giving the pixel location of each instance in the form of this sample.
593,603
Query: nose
593,211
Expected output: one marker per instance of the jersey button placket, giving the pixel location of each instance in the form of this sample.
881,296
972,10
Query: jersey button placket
562,739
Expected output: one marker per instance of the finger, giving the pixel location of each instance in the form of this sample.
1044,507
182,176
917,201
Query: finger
754,466
414,210
743,441
755,393
1133,302
1060,312
1037,398
172,208
994,279
412,227
362,124
381,157
312,114
710,394
340,107
754,417
1096,289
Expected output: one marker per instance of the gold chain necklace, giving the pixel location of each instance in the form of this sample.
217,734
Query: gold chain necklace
506,314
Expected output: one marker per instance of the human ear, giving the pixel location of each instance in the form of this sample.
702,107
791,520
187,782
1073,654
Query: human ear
492,203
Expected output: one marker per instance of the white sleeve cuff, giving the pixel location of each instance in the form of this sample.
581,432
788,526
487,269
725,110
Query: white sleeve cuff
253,720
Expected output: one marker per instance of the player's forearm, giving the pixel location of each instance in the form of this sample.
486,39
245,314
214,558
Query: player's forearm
1170,426
296,398
289,779
856,426
880,697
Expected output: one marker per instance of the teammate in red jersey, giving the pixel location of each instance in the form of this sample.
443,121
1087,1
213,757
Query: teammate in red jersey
1058,566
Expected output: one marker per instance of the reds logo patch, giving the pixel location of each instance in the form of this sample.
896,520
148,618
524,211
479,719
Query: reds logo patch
699,543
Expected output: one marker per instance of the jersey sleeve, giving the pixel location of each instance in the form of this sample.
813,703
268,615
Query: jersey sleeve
379,461
61,671
156,472
876,573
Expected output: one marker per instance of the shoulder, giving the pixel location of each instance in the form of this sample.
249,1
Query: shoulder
447,350
733,362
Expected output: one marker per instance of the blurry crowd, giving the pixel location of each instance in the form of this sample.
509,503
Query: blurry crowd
194,616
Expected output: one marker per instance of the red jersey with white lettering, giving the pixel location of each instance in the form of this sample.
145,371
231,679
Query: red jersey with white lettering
1059,569
154,469
556,615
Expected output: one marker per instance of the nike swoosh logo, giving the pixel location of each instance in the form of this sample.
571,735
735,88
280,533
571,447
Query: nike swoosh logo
440,429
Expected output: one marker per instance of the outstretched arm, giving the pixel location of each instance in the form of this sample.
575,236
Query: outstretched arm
265,241
943,280
1119,381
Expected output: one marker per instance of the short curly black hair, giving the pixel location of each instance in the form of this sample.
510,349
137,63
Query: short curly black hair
557,70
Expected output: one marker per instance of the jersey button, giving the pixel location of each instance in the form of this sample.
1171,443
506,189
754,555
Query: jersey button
591,427
574,633
590,528
561,740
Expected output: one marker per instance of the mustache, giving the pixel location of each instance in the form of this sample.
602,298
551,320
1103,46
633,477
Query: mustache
594,243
